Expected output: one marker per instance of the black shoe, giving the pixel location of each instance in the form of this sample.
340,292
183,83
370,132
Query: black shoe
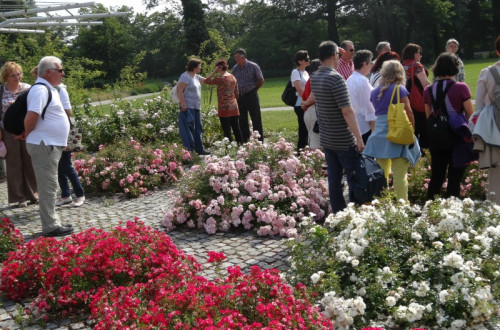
204,153
67,225
61,231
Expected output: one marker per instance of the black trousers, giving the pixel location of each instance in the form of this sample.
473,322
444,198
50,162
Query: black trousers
440,162
249,104
231,123
303,135
421,129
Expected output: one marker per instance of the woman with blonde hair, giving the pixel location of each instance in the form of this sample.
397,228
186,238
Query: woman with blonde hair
21,181
392,156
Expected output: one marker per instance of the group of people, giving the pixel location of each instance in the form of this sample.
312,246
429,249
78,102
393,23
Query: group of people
351,94
37,163
237,98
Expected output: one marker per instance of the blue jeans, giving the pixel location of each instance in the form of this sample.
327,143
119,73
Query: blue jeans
65,171
338,161
190,129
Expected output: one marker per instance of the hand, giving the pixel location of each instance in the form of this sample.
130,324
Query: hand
19,137
183,107
360,146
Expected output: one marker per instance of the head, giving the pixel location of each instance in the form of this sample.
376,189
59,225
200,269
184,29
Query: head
452,46
222,65
194,65
240,56
412,52
348,46
313,66
383,47
327,51
497,45
392,72
363,61
446,65
302,57
50,68
11,73
383,58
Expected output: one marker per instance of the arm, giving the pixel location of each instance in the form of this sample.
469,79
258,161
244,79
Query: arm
180,95
260,82
29,122
481,89
298,86
423,79
427,110
310,101
469,109
350,118
409,113
208,79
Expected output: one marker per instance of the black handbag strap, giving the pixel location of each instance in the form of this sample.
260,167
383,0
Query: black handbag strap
441,96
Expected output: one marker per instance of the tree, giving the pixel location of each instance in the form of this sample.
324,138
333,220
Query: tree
194,25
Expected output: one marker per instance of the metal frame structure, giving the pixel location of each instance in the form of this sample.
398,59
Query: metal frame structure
22,24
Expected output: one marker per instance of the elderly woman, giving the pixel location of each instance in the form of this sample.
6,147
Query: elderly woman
299,78
455,99
487,137
391,156
416,81
452,46
227,96
189,94
21,181
375,70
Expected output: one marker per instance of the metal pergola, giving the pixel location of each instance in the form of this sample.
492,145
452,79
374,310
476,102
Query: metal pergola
19,21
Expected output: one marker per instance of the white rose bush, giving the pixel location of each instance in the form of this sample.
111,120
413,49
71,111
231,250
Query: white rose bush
391,264
261,187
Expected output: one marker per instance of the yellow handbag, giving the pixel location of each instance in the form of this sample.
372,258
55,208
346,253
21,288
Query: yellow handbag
400,129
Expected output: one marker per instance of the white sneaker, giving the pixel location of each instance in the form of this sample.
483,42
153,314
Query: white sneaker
79,201
63,201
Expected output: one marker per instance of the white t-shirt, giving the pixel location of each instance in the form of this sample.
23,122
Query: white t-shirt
53,130
63,94
303,77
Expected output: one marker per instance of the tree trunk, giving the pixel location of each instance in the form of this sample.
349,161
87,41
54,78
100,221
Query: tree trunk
331,18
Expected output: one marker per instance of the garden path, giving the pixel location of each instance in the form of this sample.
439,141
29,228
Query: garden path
241,248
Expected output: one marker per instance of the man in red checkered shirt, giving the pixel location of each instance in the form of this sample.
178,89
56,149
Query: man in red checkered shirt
346,66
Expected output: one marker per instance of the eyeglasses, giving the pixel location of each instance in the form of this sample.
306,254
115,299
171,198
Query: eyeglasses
351,50
58,70
307,59
15,75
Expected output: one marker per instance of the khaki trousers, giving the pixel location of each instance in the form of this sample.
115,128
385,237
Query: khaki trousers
21,181
45,161
494,184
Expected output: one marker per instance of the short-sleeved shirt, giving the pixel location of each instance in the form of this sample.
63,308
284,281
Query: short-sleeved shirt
63,94
227,95
330,92
382,104
192,93
345,68
457,94
247,76
359,93
53,130
303,77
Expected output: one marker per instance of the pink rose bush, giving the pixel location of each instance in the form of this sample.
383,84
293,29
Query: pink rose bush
10,238
261,187
131,168
135,277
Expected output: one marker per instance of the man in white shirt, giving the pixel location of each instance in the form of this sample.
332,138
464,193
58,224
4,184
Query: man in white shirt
46,137
359,92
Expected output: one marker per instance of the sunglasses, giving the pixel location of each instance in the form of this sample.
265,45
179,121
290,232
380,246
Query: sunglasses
307,59
58,70
351,50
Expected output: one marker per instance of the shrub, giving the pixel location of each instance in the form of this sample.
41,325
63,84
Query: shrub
404,266
130,168
10,238
264,187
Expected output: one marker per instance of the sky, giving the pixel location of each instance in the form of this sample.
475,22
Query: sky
136,4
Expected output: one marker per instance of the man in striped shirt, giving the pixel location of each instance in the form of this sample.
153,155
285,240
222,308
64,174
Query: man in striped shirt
346,66
339,132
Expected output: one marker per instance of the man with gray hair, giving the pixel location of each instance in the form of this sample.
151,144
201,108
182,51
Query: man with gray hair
46,137
383,47
452,46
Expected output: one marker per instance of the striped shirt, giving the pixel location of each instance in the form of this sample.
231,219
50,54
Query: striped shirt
345,68
330,92
247,76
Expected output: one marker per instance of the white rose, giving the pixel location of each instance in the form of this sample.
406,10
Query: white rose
390,301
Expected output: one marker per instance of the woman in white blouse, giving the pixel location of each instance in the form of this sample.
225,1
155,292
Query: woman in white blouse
299,78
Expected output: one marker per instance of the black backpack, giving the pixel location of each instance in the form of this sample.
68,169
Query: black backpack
439,132
13,119
368,180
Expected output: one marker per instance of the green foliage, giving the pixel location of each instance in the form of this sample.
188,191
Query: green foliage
130,75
